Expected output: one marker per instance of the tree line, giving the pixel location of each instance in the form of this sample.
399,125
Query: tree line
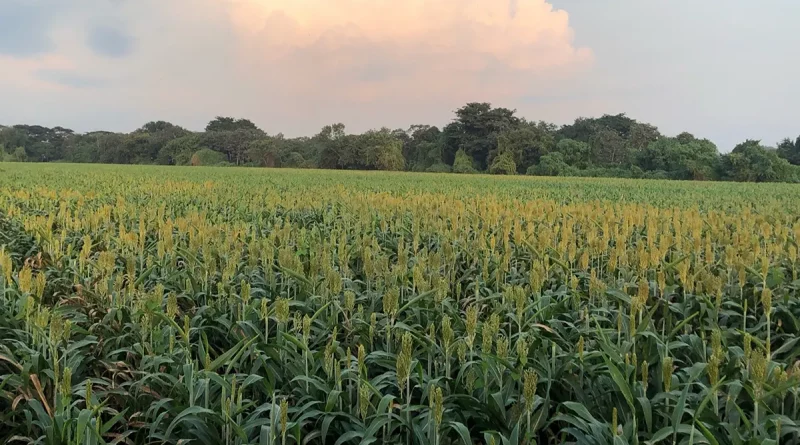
480,138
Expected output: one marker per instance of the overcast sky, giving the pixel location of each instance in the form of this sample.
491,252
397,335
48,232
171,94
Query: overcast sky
727,70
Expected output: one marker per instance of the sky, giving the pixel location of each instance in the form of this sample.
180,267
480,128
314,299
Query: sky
726,70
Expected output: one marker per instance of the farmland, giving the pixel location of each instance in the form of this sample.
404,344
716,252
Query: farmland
146,304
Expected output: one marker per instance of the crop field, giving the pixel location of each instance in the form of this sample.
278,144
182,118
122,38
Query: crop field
169,305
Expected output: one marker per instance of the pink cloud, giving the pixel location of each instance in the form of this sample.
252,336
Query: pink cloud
414,50
295,65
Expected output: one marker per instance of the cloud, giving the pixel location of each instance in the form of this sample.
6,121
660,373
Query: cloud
24,28
68,78
416,50
108,41
295,65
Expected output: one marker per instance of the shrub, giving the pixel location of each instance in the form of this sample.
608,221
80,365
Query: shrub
439,167
552,164
503,164
463,163
207,157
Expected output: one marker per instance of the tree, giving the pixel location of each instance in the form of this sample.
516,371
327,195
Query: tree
574,153
750,161
690,159
379,150
462,163
179,151
332,145
582,130
685,137
790,151
641,135
526,144
475,130
231,124
293,159
620,123
19,155
266,152
608,148
233,144
424,147
503,164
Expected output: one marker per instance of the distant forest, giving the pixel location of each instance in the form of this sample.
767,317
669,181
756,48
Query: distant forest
479,139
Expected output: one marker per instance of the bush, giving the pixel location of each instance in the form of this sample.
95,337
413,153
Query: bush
503,164
552,164
439,167
207,157
657,174
293,160
20,155
463,163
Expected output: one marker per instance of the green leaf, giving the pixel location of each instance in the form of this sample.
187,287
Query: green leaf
621,382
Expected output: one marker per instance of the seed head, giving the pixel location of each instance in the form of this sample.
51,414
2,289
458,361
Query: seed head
363,400
66,382
437,406
748,347
471,324
471,378
264,312
349,301
306,328
245,292
88,396
282,310
614,422
373,323
490,329
766,300
390,302
666,373
522,351
502,348
172,305
758,371
645,371
461,351
284,416
530,380
447,333
362,360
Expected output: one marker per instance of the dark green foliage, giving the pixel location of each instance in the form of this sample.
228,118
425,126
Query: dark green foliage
231,124
526,144
552,164
476,129
574,153
609,145
680,158
790,150
751,162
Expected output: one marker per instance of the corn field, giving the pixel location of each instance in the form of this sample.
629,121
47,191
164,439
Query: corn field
148,305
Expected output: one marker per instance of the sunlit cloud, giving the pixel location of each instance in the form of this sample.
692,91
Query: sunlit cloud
368,50
292,65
